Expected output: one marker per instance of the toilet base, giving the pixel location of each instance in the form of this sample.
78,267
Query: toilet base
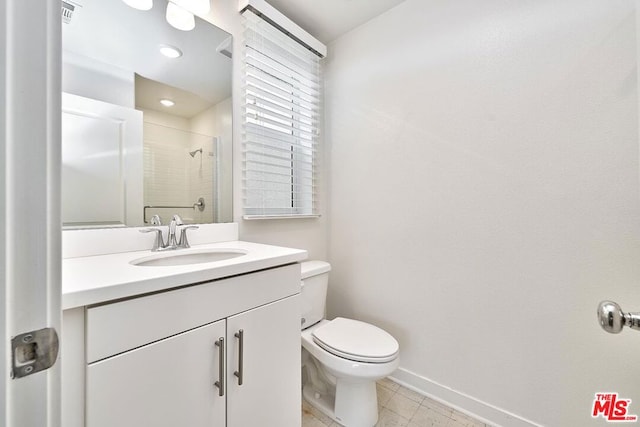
325,403
354,405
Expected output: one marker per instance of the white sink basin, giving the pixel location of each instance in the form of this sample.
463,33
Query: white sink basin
187,257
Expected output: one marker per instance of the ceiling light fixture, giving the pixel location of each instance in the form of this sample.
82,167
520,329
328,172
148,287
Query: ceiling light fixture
170,51
180,18
139,4
167,102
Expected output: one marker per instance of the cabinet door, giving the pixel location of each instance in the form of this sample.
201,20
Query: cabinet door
270,392
168,383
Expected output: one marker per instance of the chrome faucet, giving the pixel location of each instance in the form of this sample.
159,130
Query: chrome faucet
158,244
172,242
184,243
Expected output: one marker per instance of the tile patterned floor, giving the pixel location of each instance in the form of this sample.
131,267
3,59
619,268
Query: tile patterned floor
399,407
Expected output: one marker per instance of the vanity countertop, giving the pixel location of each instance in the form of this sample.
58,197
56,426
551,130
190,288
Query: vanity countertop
97,279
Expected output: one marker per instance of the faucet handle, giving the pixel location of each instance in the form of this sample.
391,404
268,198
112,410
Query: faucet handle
184,243
177,219
156,220
159,242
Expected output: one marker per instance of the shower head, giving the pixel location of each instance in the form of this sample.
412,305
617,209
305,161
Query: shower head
193,153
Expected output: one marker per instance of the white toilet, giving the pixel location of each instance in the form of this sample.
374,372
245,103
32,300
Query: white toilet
341,358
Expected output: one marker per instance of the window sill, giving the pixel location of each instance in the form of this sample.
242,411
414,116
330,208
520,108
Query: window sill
254,217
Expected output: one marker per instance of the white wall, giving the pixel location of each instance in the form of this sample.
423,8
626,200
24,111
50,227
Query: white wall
483,161
309,234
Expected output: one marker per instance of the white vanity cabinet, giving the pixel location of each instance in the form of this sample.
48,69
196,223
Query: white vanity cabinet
160,360
270,390
167,383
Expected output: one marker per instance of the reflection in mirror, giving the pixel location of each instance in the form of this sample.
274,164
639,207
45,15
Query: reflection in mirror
144,134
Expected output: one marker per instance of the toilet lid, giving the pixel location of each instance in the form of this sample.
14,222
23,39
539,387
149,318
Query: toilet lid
355,340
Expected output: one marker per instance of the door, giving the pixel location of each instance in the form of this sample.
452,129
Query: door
101,163
169,383
264,378
30,256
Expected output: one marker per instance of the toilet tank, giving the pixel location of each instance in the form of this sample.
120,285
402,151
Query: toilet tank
313,291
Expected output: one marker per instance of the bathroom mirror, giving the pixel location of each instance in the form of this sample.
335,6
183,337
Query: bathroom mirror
143,134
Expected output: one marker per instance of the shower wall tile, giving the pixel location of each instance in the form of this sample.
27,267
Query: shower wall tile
172,177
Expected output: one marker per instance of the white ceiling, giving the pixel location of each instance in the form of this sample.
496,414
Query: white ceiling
327,20
150,92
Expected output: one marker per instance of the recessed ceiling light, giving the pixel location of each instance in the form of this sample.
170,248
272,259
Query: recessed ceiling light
167,102
180,18
139,4
170,51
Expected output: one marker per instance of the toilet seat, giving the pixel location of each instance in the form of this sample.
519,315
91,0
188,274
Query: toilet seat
357,341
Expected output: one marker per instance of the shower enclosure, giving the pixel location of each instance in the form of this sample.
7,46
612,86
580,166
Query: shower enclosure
180,168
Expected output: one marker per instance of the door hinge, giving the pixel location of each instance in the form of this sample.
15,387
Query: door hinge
33,352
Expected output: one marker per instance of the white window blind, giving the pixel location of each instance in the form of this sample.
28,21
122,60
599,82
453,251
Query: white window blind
282,93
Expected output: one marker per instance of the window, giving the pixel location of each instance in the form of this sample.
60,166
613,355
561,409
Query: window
282,89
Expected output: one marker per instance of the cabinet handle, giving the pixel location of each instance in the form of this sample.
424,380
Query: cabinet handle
238,373
220,382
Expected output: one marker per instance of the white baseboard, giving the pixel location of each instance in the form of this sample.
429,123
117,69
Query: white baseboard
461,402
